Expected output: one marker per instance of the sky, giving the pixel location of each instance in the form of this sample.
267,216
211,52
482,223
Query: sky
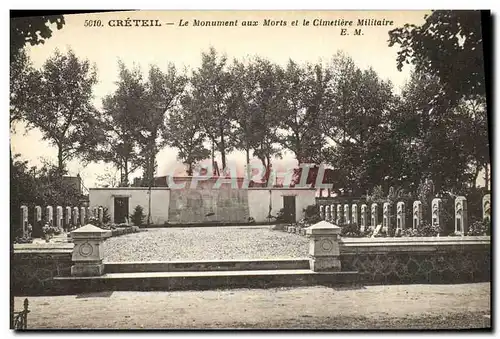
183,45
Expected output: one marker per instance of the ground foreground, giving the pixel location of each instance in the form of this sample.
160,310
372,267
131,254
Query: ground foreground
370,307
205,243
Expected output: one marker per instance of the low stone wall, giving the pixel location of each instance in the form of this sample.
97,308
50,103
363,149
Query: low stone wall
417,260
33,267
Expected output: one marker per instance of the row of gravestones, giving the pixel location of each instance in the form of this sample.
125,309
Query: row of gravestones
348,214
64,219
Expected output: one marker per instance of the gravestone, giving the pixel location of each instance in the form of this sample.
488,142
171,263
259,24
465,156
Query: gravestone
436,206
24,220
347,215
321,212
354,213
37,223
386,217
75,217
487,207
67,218
101,214
374,215
400,216
417,214
83,217
364,217
333,213
339,214
461,225
59,217
50,215
327,212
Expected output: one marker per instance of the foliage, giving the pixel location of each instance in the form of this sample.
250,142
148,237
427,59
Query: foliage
304,89
162,92
118,123
424,230
210,90
50,231
61,106
311,214
32,30
480,227
185,133
356,125
351,231
138,216
106,218
458,37
281,216
41,186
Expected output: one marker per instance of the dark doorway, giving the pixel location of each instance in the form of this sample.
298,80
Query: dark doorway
289,208
121,209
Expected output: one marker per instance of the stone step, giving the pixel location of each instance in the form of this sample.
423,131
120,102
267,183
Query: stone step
203,280
208,265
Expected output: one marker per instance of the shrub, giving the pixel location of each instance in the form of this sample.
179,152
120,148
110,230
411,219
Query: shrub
480,227
106,218
311,214
281,216
350,231
138,216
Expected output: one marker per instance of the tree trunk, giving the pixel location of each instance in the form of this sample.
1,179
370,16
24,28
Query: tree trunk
190,169
223,149
248,163
60,161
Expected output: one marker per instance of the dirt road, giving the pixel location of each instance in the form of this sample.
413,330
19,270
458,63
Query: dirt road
318,307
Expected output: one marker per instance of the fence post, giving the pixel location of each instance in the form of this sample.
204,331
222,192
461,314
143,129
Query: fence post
324,248
88,251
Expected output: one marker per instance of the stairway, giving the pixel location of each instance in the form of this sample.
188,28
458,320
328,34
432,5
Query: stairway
205,275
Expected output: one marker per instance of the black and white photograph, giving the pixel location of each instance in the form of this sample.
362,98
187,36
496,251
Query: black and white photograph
250,170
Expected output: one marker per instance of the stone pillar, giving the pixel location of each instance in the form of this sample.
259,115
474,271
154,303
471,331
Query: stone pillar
321,212
59,216
461,225
374,215
324,248
88,251
487,206
354,213
101,214
338,221
436,206
89,213
333,213
75,216
400,216
347,215
67,218
50,215
37,223
364,217
417,214
24,220
327,213
94,212
83,218
386,216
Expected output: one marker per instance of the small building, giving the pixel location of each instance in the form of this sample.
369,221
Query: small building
201,200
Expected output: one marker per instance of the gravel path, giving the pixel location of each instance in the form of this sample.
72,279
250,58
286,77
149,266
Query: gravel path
315,307
205,243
